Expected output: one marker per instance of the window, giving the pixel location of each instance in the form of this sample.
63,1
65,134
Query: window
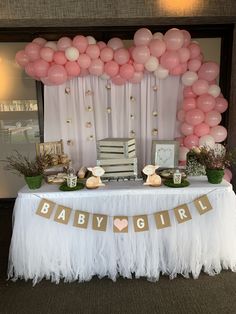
19,126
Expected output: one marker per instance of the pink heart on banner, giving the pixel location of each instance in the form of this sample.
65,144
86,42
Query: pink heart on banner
120,224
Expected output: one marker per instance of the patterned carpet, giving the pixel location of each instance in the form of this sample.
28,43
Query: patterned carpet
205,295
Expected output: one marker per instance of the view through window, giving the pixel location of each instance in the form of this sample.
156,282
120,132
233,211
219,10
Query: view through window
19,127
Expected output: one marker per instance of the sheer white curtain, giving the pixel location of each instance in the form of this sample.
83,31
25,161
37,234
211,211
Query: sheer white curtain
88,109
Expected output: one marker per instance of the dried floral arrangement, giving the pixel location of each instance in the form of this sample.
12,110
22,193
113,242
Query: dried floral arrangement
212,158
22,165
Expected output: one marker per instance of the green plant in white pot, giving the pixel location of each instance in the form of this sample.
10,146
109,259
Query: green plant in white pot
32,170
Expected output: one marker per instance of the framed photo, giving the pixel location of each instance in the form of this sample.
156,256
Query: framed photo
165,153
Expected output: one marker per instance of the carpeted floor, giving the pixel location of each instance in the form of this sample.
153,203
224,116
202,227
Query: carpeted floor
205,295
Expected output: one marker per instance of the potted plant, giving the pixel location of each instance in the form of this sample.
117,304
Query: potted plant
32,170
215,160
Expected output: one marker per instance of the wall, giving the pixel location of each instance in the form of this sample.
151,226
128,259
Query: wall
112,12
71,13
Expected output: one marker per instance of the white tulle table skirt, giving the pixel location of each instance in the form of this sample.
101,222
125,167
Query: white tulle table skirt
41,248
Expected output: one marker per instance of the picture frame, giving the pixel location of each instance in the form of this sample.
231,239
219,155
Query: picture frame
165,153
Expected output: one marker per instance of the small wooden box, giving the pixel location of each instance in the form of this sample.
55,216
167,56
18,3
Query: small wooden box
116,148
50,148
119,168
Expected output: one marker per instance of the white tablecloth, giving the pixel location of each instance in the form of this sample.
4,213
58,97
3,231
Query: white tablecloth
43,248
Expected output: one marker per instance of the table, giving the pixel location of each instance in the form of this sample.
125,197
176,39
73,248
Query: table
41,248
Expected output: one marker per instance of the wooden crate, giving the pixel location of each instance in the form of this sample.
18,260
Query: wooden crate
119,168
116,148
50,148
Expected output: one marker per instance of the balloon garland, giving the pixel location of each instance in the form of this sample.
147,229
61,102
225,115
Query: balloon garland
173,53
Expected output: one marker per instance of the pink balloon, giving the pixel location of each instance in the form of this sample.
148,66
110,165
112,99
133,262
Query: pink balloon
200,57
186,129
32,51
126,71
59,57
57,74
80,42
101,44
115,43
72,68
174,39
137,78
189,104
226,177
201,129
191,141
41,68
143,36
170,59
93,51
206,102
183,67
63,43
121,56
188,92
84,61
83,72
111,68
118,80
21,58
228,173
46,54
176,70
187,37
209,71
219,133
200,87
184,54
157,47
139,67
194,116
194,50
141,54
40,41
183,153
181,115
221,104
194,65
213,118
96,67
29,69
106,54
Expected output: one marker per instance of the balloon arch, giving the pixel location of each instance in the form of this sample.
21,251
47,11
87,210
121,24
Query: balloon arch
173,53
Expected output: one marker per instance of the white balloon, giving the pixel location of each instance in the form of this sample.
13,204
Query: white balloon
214,90
151,64
91,40
157,35
207,141
189,77
161,72
52,45
72,53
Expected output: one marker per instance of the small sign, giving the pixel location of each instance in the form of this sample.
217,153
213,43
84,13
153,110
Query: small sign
99,222
182,213
140,223
45,208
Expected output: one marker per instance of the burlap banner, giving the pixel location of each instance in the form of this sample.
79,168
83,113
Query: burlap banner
121,224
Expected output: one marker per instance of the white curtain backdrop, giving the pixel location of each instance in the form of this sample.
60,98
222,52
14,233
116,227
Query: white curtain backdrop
93,109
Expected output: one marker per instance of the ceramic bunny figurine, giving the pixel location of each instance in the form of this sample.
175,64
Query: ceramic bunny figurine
95,180
152,178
